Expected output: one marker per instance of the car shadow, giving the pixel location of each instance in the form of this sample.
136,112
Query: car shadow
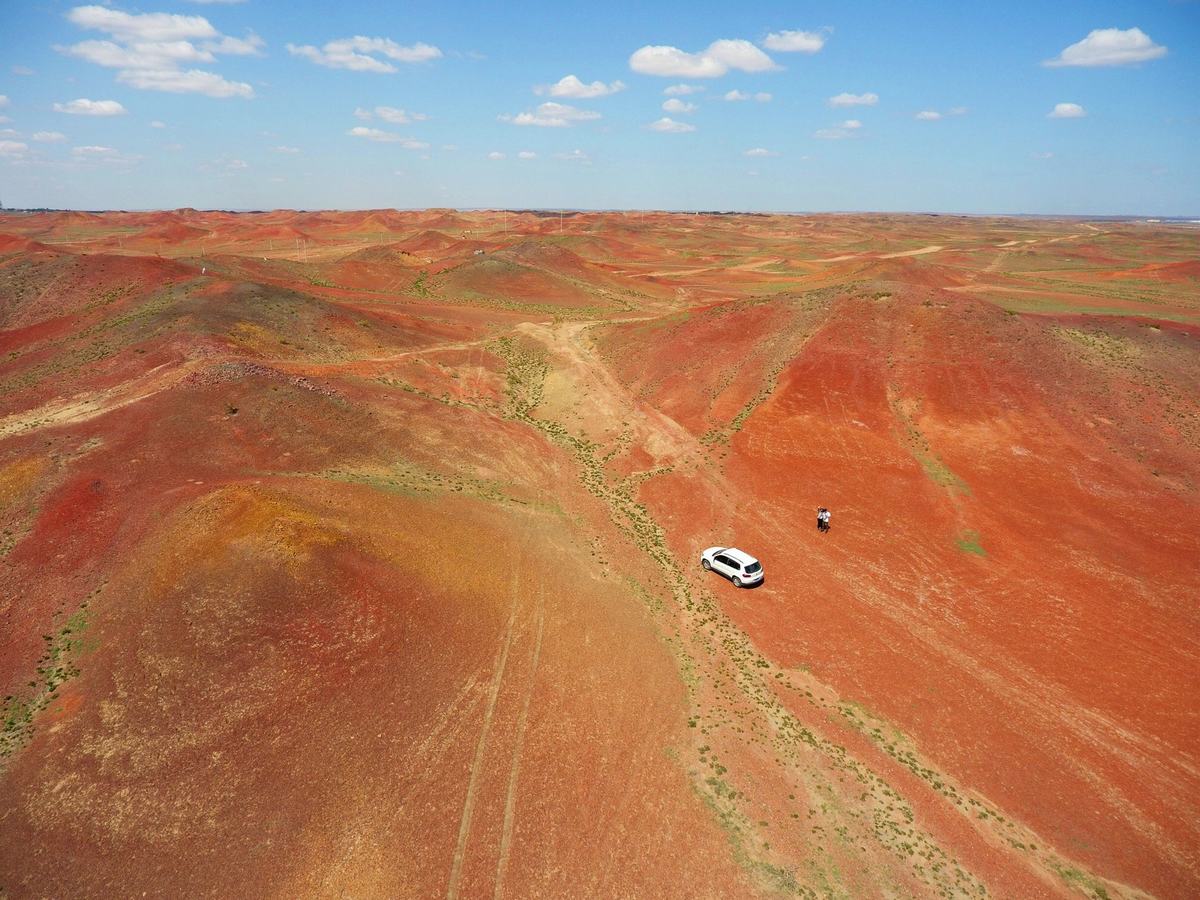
745,587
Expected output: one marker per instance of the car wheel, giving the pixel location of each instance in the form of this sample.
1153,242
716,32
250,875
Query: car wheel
737,582
706,565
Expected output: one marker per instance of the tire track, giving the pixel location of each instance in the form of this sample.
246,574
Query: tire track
515,770
464,828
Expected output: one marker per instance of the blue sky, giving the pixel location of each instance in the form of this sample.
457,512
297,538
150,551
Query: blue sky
945,107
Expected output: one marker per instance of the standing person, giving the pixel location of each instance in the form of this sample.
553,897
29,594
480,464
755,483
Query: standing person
820,518
825,517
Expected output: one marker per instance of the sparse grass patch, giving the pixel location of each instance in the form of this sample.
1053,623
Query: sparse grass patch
419,287
920,448
406,478
57,665
1082,881
968,542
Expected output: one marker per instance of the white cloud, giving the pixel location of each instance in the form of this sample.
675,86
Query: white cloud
846,129
552,115
844,99
4,119
526,154
85,107
387,137
107,155
143,27
390,114
713,62
142,55
496,154
574,156
571,86
4,101
795,41
1066,111
13,149
933,115
49,137
1110,47
673,62
450,147
343,59
736,96
741,55
362,54
675,105
157,124
683,90
760,151
1046,155
176,81
150,50
285,149
235,164
21,70
231,46
174,148
670,126
399,116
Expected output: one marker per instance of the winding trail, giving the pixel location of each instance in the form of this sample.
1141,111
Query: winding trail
932,248
82,407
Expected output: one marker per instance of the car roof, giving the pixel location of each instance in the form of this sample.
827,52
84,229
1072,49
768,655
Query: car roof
740,556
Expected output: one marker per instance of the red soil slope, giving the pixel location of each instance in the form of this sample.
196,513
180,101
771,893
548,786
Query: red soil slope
336,559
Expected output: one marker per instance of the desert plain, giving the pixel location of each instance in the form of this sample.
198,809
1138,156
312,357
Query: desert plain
356,554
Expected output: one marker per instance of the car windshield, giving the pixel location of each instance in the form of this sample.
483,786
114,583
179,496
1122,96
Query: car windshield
753,567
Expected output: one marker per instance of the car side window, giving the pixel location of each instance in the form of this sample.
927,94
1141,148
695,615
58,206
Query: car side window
725,561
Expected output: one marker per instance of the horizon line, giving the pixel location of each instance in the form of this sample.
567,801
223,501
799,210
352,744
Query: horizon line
1185,218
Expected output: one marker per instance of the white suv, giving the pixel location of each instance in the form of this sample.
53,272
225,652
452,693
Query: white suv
740,568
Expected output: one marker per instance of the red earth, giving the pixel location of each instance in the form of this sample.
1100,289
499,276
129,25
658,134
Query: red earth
356,553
